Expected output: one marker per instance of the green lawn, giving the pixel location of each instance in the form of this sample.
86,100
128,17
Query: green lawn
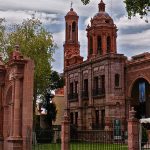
82,146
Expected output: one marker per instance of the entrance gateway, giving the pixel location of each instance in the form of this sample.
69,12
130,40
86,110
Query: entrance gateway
16,97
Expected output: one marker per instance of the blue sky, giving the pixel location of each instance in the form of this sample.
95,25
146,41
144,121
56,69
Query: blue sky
133,35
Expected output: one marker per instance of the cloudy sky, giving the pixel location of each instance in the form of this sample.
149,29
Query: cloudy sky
133,35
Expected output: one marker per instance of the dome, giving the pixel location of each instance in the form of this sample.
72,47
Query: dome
102,13
101,17
71,13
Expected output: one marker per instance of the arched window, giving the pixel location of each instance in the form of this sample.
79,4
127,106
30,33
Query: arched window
99,44
91,45
66,30
74,31
66,26
73,27
108,44
117,80
69,32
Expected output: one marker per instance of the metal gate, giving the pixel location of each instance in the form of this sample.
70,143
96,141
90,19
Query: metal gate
144,135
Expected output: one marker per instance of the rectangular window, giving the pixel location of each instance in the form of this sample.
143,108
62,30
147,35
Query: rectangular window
117,80
76,118
86,85
71,117
103,119
95,83
103,83
76,87
71,88
97,116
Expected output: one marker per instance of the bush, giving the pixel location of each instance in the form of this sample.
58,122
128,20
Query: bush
44,135
144,136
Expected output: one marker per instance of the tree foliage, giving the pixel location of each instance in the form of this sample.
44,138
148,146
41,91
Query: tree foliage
50,106
35,42
57,80
85,2
141,7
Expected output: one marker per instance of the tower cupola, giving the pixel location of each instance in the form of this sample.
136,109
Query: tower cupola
101,34
71,45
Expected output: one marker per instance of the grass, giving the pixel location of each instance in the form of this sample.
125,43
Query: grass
82,146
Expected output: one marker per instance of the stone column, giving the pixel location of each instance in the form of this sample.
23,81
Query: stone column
1,113
12,109
1,117
65,133
88,37
90,86
17,109
66,89
133,131
113,44
16,141
94,45
90,107
80,99
104,44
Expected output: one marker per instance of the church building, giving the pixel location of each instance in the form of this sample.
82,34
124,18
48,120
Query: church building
106,85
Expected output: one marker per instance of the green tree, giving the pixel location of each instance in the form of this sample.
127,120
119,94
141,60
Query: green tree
57,80
141,7
133,7
37,43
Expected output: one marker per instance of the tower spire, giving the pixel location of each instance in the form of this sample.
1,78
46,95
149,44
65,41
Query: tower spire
101,6
71,4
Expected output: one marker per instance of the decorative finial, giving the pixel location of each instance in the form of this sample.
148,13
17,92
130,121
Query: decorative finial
71,4
101,6
17,47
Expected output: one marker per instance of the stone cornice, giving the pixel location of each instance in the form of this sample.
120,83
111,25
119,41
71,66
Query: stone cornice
137,62
97,59
16,62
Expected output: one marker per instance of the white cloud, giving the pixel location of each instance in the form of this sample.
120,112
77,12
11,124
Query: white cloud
125,23
138,39
51,13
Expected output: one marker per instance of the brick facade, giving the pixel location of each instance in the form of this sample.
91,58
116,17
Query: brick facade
98,90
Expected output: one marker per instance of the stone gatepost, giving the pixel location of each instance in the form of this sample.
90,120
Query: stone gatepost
133,131
65,133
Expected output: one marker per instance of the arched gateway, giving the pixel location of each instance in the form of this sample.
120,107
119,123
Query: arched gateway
16,92
140,95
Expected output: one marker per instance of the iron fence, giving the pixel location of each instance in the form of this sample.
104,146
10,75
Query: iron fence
97,140
144,136
47,139
98,92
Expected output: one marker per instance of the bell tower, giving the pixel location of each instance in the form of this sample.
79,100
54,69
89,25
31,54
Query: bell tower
71,45
101,34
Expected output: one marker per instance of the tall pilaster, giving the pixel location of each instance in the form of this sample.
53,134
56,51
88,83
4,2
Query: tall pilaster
17,108
80,108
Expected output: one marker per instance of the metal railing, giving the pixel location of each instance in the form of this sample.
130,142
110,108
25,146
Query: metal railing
98,92
85,95
73,96
97,140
